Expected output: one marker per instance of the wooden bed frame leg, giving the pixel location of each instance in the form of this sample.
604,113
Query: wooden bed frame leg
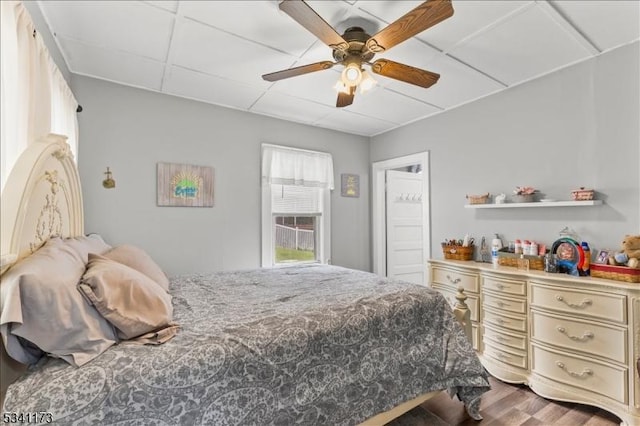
462,313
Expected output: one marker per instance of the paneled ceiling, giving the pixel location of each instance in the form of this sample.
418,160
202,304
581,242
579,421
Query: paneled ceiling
217,51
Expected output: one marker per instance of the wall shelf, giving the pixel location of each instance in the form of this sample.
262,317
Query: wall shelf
535,204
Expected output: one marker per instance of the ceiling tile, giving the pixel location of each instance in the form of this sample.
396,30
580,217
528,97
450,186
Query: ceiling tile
277,29
457,84
387,105
111,65
598,19
287,107
127,26
388,11
170,5
527,45
317,86
468,18
349,122
203,48
207,88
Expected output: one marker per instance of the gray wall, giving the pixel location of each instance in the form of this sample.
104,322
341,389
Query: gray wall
130,130
576,127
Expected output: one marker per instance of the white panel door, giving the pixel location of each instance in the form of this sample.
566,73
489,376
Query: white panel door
405,255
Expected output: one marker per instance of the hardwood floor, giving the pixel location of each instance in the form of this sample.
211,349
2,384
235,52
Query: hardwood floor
516,405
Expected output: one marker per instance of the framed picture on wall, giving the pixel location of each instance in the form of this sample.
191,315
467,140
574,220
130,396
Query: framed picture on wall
350,185
184,185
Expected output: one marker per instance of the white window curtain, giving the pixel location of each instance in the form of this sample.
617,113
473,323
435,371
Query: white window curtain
35,98
290,166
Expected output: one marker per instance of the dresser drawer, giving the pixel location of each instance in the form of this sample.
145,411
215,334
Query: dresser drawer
453,278
514,340
505,286
609,307
500,319
472,301
505,354
602,340
592,376
518,306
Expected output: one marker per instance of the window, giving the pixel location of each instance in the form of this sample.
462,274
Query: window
296,187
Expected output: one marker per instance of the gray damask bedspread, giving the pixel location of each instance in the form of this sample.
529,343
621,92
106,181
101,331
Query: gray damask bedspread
301,345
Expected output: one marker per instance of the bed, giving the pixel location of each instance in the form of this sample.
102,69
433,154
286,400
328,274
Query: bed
307,344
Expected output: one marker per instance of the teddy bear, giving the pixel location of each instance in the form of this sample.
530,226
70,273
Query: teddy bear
630,253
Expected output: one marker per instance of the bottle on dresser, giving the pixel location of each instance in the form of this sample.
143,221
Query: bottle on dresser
496,245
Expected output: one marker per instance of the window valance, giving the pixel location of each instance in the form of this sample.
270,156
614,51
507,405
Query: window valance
290,166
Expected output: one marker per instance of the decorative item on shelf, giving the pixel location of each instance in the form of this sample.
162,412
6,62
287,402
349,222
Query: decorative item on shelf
524,194
582,194
109,183
500,199
478,199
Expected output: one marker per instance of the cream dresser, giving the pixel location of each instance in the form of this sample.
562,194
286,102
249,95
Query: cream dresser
569,338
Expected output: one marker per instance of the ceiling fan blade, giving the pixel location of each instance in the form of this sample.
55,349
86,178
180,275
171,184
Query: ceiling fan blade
405,73
346,99
308,18
292,72
419,19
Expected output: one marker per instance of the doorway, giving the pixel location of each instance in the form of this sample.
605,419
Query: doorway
402,256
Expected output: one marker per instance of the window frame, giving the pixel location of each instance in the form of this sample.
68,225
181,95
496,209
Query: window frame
323,237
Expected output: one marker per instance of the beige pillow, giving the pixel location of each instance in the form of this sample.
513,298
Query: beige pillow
41,306
132,302
139,260
84,245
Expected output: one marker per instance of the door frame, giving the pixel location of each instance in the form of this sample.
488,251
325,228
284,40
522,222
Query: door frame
379,210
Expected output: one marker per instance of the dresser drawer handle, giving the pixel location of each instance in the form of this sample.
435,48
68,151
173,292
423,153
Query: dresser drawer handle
501,355
501,304
586,372
501,321
585,336
501,286
453,281
502,339
582,305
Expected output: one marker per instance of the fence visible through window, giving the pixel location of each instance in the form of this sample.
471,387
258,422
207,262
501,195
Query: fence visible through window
294,244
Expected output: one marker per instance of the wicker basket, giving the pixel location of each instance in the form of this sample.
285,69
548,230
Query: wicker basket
618,273
582,194
455,252
507,258
478,199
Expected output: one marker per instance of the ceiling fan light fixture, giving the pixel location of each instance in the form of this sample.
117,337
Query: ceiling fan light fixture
352,74
367,82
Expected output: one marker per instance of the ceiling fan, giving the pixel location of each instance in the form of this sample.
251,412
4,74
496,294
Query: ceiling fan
356,48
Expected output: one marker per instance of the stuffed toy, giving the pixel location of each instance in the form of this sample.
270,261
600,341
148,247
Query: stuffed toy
630,253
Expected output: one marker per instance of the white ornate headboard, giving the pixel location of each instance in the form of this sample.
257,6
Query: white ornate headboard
41,199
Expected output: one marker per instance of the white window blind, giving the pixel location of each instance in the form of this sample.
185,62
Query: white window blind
298,200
